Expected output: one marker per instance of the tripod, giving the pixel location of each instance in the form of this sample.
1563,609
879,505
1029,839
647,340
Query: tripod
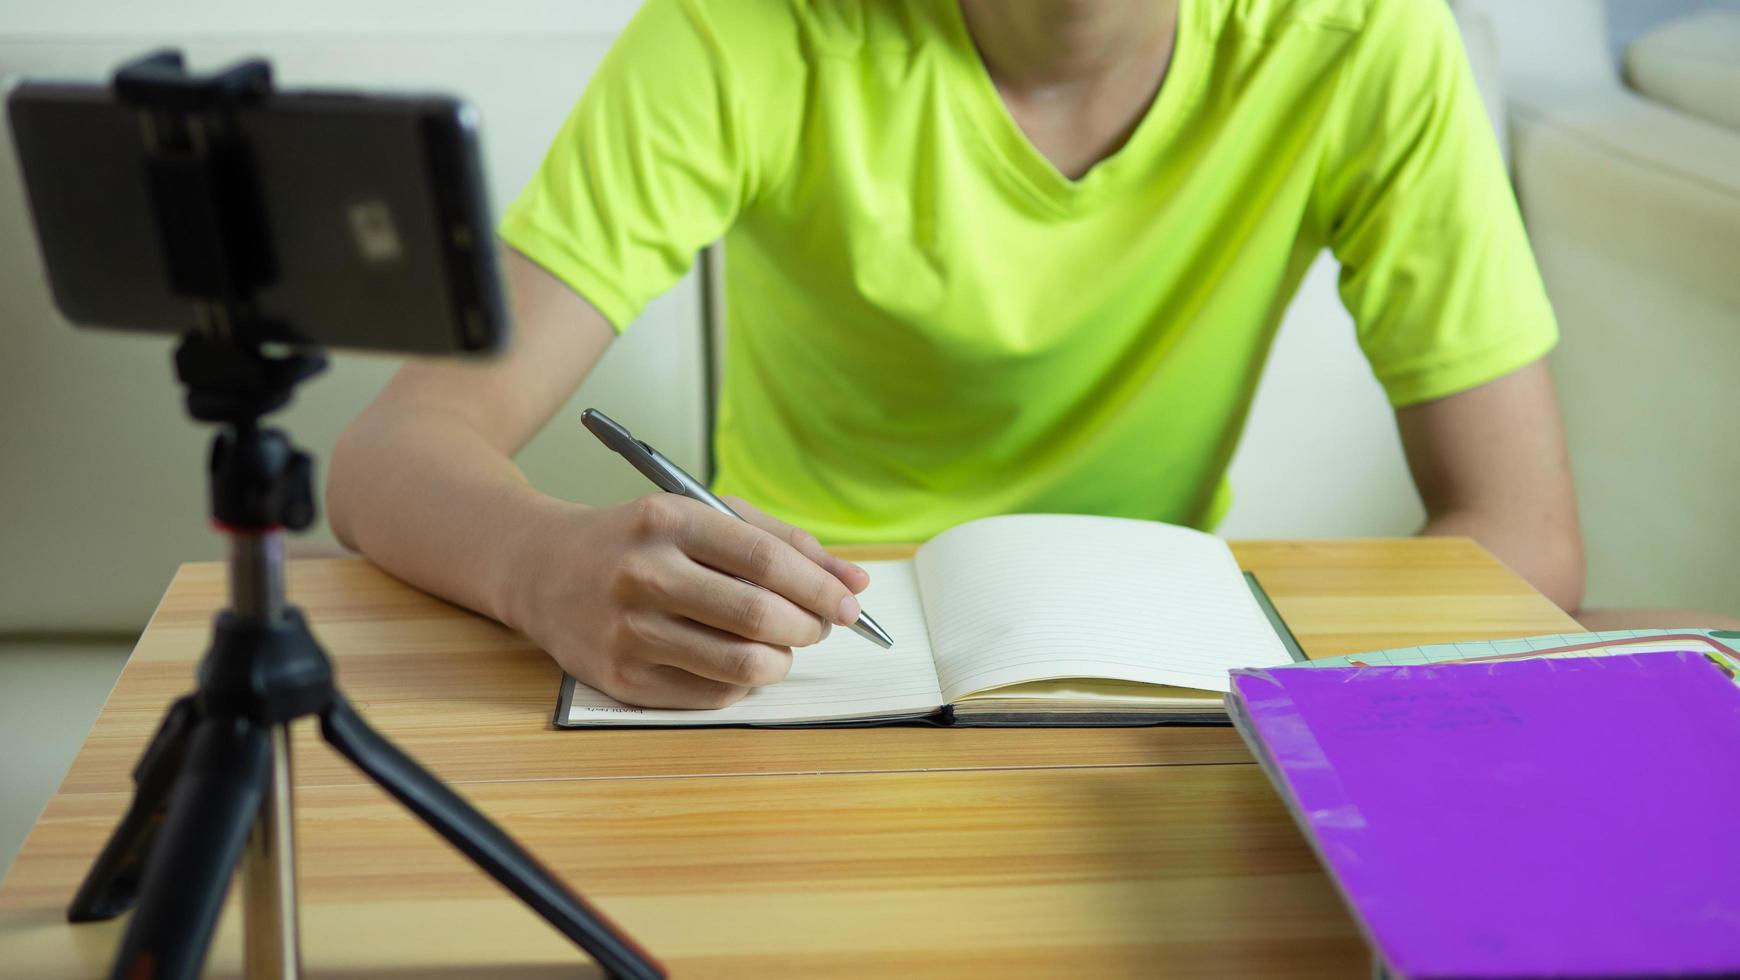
214,787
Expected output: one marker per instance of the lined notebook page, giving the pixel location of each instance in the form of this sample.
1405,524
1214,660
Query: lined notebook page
844,676
1033,597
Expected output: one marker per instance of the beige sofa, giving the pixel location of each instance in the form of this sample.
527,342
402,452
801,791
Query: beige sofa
1633,206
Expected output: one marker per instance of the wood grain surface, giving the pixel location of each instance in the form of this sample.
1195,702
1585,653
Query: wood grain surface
906,852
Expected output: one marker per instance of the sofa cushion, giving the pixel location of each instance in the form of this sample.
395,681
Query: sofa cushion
1691,63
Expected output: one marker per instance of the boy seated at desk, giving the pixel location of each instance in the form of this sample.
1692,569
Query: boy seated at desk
991,256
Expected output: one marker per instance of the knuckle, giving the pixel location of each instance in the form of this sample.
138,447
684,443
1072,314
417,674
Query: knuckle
653,584
752,666
655,516
630,632
624,680
740,666
825,595
723,695
804,541
755,612
763,555
631,577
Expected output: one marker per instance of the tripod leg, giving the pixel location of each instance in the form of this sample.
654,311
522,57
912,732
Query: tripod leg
211,811
110,885
485,843
270,940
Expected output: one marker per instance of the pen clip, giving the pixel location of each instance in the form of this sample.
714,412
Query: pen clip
641,456
659,469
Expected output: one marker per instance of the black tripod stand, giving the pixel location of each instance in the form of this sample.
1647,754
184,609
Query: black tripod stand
214,787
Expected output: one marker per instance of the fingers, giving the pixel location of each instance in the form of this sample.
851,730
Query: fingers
702,594
673,662
741,549
650,611
662,686
717,655
852,576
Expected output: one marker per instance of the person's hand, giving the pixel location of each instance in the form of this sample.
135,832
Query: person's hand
640,602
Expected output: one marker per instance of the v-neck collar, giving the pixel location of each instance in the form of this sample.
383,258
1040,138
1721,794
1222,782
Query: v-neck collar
991,117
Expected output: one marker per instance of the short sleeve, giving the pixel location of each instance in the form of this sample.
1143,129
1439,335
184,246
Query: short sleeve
1413,196
653,163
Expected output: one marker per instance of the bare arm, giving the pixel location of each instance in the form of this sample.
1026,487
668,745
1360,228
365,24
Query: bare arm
435,449
1490,463
637,600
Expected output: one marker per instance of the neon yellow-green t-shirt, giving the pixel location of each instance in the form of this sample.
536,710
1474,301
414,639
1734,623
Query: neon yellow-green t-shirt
928,323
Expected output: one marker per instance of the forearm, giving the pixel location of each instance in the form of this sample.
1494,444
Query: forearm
654,602
1545,552
427,498
423,482
1490,464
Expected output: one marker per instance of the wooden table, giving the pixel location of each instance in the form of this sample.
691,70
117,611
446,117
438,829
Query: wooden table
893,852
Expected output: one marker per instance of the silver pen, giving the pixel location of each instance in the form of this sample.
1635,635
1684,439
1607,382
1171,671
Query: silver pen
669,477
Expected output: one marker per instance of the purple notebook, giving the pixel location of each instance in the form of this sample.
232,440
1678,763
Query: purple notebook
1527,818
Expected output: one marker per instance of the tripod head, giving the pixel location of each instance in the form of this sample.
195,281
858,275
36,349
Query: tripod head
259,480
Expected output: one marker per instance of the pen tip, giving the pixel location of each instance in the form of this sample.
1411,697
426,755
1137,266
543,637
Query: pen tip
868,628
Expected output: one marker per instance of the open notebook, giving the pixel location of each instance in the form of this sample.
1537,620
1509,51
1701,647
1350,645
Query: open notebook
1017,620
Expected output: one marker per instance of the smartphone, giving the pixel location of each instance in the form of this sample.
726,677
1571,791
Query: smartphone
376,225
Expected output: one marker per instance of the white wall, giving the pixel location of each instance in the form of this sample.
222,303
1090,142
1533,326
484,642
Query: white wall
1320,456
181,20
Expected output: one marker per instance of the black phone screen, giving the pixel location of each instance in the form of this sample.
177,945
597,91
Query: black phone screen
376,228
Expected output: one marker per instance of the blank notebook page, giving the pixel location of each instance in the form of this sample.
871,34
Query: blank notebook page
844,674
1024,598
